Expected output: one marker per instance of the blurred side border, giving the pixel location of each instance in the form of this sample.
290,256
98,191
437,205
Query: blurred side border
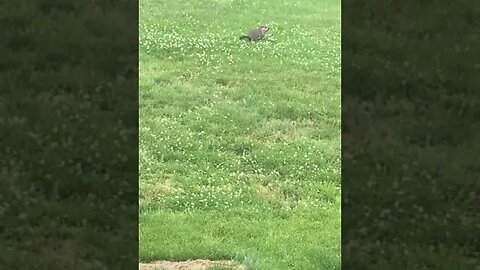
69,134
410,143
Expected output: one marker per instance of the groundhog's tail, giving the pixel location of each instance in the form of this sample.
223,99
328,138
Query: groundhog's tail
245,38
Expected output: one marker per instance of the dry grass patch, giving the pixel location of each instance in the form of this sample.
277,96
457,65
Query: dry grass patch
275,130
164,185
191,265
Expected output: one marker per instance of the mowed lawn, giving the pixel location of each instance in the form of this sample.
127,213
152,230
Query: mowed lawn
240,142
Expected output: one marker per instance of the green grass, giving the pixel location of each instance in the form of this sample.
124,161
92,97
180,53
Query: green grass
240,142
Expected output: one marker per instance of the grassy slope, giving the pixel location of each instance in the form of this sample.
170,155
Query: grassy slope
240,143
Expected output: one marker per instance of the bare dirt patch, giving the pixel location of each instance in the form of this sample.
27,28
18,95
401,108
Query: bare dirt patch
190,265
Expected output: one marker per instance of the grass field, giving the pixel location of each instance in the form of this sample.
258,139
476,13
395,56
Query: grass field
240,142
